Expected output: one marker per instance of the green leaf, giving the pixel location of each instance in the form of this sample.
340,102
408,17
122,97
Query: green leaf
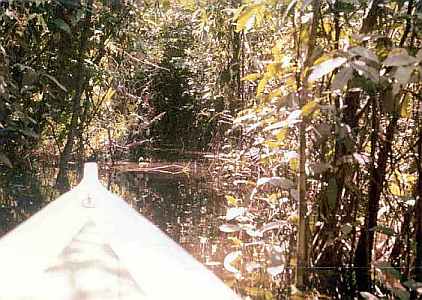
29,132
62,25
56,82
368,296
280,182
342,78
332,193
386,267
5,160
399,57
368,72
326,67
402,74
364,52
385,230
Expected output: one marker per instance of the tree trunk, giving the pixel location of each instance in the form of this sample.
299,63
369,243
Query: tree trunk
62,181
302,239
418,210
363,253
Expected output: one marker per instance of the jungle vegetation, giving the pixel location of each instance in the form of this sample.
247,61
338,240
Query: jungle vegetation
312,108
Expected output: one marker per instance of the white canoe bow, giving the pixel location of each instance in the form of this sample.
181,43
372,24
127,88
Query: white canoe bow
90,244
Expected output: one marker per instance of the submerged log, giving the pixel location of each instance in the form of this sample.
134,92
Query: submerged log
90,244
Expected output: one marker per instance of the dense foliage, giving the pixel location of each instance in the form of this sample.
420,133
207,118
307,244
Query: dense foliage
312,105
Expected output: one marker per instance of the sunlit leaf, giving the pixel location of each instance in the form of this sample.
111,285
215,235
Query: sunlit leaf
295,194
326,67
272,226
274,271
235,241
231,258
406,107
280,182
231,200
212,263
399,57
413,285
261,86
309,108
228,228
249,16
346,229
395,189
252,266
402,74
289,155
4,159
360,158
274,69
234,212
419,55
281,134
288,9
293,219
253,232
252,77
342,78
259,292
368,296
364,52
319,168
109,94
61,86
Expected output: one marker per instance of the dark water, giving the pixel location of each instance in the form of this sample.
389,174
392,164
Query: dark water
184,205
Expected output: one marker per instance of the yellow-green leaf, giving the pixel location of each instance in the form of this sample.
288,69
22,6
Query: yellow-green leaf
252,77
5,160
109,94
231,200
261,86
249,17
406,107
309,108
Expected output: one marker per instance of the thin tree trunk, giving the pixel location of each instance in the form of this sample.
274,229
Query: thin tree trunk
418,210
363,253
62,181
302,240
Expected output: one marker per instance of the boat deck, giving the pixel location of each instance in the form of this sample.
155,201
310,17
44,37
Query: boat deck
88,268
89,244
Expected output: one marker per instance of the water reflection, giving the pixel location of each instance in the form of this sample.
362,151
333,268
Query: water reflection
22,193
185,206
